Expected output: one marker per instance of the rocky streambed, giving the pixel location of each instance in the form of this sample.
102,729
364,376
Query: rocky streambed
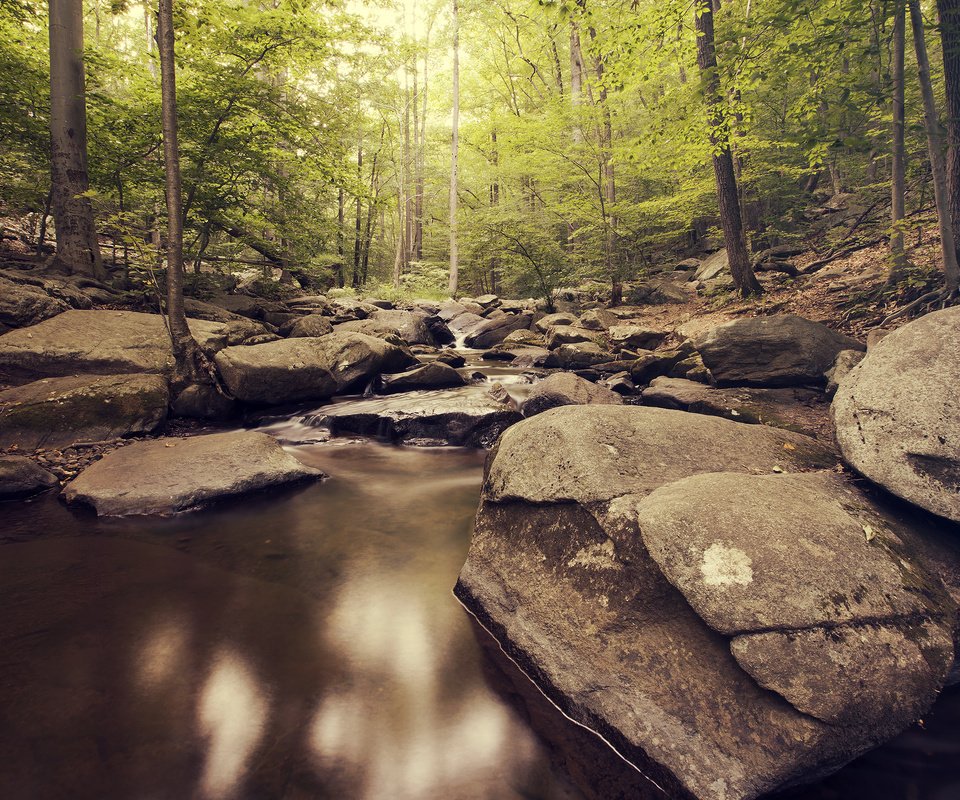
669,543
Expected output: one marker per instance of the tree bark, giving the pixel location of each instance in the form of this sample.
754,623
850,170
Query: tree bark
454,153
338,269
729,201
78,252
186,352
935,146
949,11
898,259
359,219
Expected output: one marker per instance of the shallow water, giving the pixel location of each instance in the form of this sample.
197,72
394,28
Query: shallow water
304,643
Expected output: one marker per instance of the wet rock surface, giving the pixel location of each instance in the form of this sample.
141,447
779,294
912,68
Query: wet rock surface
435,375
897,413
166,475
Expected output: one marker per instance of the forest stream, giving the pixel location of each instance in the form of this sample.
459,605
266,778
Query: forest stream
304,643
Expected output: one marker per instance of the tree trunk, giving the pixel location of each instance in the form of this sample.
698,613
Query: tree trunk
576,78
898,259
359,219
338,269
935,146
78,252
950,37
730,218
186,352
454,148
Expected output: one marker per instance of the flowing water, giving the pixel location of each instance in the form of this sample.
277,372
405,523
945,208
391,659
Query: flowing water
304,643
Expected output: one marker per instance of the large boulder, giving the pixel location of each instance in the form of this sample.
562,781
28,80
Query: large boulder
54,412
567,389
577,356
21,477
633,337
163,476
494,330
545,323
568,334
466,417
897,413
291,370
679,648
409,326
103,342
713,266
308,326
782,350
435,375
22,305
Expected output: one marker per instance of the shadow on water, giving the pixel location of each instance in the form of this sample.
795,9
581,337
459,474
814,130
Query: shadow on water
304,643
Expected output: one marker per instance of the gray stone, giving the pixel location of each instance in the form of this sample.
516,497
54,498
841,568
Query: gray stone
544,324
635,336
712,266
897,413
104,342
54,412
494,331
577,356
782,350
558,570
568,334
291,370
409,325
309,326
22,305
845,361
487,301
163,476
466,417
597,319
450,309
566,389
21,477
435,375
658,291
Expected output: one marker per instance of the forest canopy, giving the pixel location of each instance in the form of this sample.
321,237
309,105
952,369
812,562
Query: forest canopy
316,137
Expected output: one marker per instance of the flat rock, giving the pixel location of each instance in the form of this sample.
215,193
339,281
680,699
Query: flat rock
101,342
468,417
544,324
54,412
21,477
309,326
712,266
568,334
577,356
897,413
566,389
635,336
163,476
291,370
782,350
409,325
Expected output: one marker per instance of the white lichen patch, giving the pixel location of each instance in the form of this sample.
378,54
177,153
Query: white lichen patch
595,556
726,566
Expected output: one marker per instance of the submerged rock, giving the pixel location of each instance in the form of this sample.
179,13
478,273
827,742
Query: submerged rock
163,476
21,477
566,389
466,417
54,412
665,617
290,370
783,350
897,413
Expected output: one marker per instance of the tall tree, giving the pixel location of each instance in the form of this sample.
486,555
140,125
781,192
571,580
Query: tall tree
898,150
454,155
949,11
190,364
935,147
730,216
78,252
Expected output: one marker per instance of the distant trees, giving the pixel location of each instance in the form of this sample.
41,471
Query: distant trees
78,252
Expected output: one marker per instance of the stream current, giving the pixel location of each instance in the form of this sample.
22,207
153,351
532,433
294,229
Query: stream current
305,643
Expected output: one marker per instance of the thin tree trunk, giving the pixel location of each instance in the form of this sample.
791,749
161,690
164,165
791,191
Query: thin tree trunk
935,145
359,219
78,252
42,233
576,78
898,259
740,268
454,153
950,37
338,270
186,353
